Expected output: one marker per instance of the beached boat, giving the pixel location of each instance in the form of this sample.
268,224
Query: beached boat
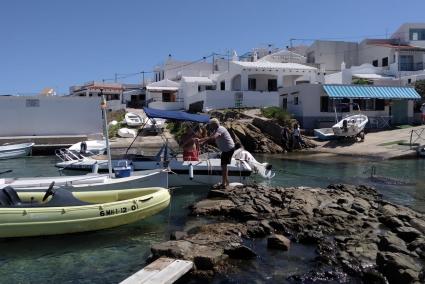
89,146
127,133
133,119
15,150
59,211
93,181
351,125
324,133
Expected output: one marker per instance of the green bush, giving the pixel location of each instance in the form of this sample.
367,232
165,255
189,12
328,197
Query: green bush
282,117
176,128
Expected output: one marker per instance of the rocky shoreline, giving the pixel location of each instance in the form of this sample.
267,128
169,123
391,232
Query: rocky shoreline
358,235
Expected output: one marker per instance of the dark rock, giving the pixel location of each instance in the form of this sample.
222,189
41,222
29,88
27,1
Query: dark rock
178,235
397,267
239,251
217,193
212,207
208,258
391,222
255,230
244,212
408,234
418,224
373,276
278,242
390,242
309,236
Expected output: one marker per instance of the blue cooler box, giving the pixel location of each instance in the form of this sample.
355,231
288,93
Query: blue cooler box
122,172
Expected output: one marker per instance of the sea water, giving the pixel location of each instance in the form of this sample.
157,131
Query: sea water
111,255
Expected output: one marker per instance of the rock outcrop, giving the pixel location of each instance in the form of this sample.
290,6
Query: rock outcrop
357,234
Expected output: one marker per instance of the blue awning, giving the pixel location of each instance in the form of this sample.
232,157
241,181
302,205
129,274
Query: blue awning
176,115
371,92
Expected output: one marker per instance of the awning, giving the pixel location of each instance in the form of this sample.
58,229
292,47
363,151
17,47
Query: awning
176,115
371,92
163,85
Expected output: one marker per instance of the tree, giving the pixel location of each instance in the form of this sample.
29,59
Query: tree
420,88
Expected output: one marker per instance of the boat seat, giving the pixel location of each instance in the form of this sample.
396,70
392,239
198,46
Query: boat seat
4,199
63,197
13,196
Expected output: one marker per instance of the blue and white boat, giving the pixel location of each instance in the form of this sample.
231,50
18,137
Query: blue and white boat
15,150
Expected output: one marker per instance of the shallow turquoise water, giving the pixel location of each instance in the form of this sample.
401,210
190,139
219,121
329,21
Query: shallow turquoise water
111,255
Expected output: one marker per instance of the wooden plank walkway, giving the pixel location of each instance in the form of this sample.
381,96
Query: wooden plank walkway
161,271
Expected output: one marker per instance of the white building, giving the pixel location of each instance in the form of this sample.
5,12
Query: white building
49,115
402,55
113,93
227,84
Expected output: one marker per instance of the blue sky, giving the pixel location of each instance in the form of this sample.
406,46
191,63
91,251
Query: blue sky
58,43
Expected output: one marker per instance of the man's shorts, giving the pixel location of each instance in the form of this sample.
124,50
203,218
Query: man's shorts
226,157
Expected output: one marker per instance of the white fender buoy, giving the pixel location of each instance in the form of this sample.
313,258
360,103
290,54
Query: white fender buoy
95,168
191,171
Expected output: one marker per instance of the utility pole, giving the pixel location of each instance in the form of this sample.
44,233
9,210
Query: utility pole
143,79
116,77
213,63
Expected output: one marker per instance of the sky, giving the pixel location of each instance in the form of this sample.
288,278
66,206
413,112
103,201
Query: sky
59,43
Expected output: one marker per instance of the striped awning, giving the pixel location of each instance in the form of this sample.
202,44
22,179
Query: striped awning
371,92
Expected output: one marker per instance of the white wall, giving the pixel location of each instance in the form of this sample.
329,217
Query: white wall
332,53
52,116
226,99
369,52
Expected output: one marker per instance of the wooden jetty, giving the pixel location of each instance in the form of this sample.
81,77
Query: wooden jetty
161,271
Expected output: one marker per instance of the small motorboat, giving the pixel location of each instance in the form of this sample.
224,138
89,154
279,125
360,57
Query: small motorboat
324,133
92,181
15,150
133,119
351,125
60,211
127,133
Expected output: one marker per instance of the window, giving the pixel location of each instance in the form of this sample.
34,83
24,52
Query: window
324,104
384,61
375,63
417,34
32,103
210,87
379,104
252,84
365,104
328,105
272,85
296,101
285,103
222,85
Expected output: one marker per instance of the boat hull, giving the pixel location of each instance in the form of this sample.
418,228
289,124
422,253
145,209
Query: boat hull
115,209
15,151
204,172
354,125
140,179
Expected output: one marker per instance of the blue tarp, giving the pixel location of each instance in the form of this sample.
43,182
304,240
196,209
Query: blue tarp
371,92
176,115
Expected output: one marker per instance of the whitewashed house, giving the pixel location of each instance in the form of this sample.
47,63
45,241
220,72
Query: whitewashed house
113,93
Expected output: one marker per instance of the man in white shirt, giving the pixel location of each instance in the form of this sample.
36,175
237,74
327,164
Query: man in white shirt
226,145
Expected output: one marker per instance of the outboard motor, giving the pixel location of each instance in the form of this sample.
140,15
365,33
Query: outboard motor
345,125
